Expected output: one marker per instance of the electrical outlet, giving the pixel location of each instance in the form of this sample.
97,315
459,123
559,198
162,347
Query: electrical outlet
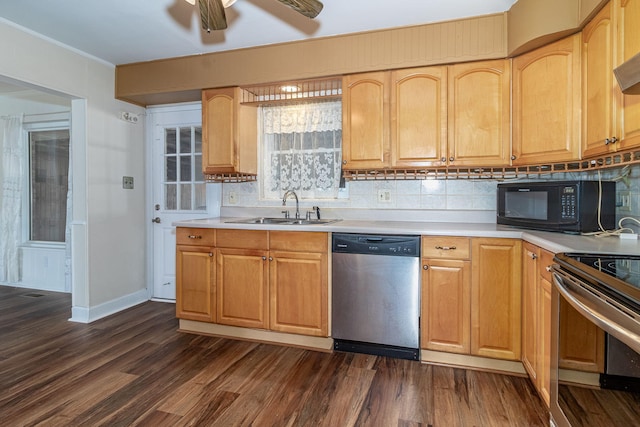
127,182
233,198
624,201
384,196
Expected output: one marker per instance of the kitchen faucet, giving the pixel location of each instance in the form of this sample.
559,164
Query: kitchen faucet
284,201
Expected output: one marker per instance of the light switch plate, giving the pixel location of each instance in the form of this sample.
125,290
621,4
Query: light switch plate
127,182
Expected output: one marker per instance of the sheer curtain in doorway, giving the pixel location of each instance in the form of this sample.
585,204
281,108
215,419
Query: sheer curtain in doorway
11,178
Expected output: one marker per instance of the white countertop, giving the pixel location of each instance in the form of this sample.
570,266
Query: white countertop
553,242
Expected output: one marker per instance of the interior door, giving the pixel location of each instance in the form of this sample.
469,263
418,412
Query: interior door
178,188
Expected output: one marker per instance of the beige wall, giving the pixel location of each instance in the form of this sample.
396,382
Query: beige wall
108,222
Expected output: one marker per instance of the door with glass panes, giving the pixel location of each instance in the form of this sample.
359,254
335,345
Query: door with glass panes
179,192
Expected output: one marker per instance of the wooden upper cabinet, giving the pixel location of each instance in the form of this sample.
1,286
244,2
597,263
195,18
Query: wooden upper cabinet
365,121
419,117
229,133
598,85
628,19
546,103
480,113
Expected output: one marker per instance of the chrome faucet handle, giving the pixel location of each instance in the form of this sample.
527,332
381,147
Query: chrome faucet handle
317,210
308,215
286,214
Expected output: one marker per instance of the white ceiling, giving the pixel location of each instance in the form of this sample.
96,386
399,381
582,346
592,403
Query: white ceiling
126,31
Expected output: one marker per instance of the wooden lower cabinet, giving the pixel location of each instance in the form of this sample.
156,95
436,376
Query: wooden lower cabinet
242,282
495,298
536,316
195,274
195,283
581,342
267,280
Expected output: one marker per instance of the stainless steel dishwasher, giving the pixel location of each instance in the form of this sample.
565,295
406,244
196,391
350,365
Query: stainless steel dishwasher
376,294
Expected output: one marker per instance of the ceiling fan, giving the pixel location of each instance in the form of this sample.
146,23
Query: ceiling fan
213,17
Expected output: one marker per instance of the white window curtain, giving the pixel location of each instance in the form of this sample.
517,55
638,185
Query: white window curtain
301,147
11,177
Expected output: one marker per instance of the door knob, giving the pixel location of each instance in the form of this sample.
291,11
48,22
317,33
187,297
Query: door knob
157,220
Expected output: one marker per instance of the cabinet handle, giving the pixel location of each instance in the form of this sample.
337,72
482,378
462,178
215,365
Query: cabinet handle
446,248
548,268
451,159
532,255
513,157
425,267
270,258
210,254
443,159
264,258
611,140
344,162
191,236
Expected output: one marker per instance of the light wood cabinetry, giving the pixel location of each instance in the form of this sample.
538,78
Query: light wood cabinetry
195,274
479,118
536,316
445,302
471,296
496,298
581,345
365,121
298,293
611,120
229,133
432,116
419,117
242,278
272,280
546,103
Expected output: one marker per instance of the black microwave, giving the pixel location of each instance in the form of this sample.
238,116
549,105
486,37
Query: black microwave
567,206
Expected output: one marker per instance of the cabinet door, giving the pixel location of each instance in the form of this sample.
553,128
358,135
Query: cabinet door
195,283
299,293
242,286
544,333
530,312
495,298
229,133
598,83
445,305
480,113
546,103
419,117
365,121
628,17
581,342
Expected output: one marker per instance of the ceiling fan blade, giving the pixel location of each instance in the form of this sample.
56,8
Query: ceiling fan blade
212,15
309,8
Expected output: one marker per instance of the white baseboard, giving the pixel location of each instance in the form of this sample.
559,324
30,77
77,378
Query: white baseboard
91,314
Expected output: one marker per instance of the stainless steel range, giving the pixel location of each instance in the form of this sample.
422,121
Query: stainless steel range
605,290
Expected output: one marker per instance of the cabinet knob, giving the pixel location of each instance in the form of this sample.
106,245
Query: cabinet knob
264,258
446,248
425,267
344,162
532,255
443,159
451,159
548,268
270,258
611,140
210,254
513,157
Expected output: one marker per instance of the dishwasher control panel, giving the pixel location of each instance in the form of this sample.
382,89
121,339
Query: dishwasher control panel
377,244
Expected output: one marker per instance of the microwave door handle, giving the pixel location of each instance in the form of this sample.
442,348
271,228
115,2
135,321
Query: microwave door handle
600,313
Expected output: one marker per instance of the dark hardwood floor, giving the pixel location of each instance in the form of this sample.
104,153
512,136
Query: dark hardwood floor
134,368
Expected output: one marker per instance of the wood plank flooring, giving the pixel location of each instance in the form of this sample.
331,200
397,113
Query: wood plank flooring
134,368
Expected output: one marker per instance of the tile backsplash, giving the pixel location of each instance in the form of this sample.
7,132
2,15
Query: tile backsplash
433,195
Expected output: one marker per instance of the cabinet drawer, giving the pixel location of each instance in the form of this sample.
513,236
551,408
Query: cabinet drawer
242,239
301,241
195,236
445,247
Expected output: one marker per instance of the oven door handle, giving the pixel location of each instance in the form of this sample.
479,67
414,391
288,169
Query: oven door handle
610,319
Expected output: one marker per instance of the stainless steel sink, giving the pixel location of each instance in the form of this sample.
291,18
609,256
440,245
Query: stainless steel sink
282,221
